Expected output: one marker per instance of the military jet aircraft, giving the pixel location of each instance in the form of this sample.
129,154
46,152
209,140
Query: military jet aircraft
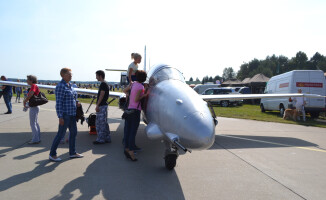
174,112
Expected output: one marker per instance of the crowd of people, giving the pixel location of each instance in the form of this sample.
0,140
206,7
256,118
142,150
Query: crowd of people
67,103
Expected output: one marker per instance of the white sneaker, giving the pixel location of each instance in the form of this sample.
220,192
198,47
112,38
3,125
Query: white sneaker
55,159
77,155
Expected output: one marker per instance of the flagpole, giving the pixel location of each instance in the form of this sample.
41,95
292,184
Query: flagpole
145,59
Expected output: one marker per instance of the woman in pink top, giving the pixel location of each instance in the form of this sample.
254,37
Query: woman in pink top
33,111
133,119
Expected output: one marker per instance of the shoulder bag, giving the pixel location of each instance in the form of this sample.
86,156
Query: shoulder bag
37,100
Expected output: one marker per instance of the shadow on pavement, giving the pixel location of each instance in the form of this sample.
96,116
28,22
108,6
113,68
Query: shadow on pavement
246,141
15,141
116,177
44,167
112,175
124,180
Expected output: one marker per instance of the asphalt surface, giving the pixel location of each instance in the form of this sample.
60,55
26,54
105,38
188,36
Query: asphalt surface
249,160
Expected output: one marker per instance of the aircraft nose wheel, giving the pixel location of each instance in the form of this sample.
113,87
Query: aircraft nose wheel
171,155
170,161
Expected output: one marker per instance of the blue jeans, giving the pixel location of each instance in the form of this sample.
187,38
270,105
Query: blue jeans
130,130
133,78
18,96
7,98
33,119
70,122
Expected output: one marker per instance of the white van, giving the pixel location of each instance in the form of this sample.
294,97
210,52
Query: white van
309,81
201,88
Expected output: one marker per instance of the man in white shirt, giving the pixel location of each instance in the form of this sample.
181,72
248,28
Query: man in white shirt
300,102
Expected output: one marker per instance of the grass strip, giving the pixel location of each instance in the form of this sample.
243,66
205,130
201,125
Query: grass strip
253,112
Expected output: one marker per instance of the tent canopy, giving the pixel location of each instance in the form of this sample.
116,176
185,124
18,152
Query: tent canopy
258,78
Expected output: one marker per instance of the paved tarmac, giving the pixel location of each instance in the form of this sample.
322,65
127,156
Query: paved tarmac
249,160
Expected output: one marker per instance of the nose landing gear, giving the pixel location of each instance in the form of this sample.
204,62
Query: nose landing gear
170,161
170,158
171,155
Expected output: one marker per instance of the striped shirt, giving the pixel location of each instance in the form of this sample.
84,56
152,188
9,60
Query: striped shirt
66,98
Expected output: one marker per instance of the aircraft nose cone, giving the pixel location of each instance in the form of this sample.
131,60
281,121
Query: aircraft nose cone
201,130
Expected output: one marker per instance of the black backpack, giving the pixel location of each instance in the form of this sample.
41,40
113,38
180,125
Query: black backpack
91,120
80,114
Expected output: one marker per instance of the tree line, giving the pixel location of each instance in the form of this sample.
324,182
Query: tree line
271,66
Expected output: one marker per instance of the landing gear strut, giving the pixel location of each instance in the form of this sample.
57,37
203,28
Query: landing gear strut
171,155
171,152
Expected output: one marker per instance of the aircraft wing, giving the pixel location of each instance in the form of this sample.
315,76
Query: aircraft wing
116,70
94,93
255,96
51,87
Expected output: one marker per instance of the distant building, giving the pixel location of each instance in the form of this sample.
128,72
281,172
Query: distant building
232,83
209,83
193,82
257,83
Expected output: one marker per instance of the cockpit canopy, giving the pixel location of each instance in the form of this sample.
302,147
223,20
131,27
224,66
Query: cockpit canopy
163,72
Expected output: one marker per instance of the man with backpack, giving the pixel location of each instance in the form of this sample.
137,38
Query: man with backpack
102,126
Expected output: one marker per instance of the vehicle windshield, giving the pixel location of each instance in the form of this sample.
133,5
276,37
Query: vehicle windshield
209,92
164,72
217,91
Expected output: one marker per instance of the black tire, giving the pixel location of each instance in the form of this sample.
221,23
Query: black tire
237,104
314,114
262,109
224,103
282,110
170,161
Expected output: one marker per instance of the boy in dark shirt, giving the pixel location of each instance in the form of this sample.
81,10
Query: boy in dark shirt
102,126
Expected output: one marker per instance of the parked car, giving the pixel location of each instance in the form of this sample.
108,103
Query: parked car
201,88
244,90
309,81
237,89
218,91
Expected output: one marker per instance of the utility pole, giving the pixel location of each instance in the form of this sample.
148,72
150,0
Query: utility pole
145,59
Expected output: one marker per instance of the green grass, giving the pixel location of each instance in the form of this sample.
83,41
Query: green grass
253,112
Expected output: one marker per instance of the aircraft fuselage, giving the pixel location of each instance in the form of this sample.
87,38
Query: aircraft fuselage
175,111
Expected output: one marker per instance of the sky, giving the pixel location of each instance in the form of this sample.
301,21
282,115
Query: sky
199,38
